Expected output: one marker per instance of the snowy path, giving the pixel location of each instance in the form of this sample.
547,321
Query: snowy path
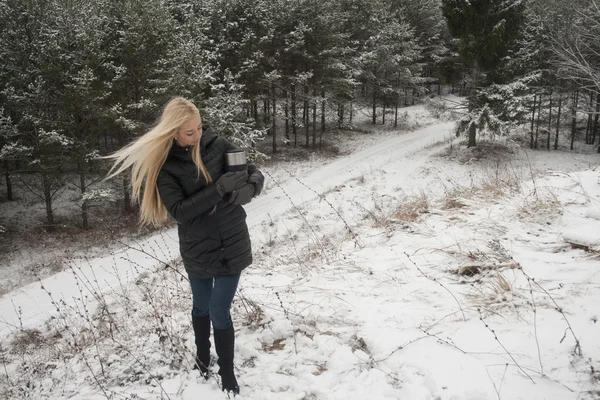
30,306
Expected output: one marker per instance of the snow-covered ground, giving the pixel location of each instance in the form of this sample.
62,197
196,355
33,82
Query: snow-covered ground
410,268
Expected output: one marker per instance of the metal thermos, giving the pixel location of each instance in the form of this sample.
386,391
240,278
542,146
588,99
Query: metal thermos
235,160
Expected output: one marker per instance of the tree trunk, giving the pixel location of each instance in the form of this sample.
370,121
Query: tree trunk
351,112
306,128
265,112
588,128
439,85
472,93
396,111
558,122
255,110
137,97
126,197
9,187
413,96
405,97
549,120
574,117
384,107
595,128
304,108
533,120
287,119
472,135
537,125
294,129
314,132
374,107
273,94
47,189
341,115
82,188
322,112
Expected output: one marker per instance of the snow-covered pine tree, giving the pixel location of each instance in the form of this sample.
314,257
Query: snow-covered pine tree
389,58
193,66
138,37
31,72
487,31
78,89
431,32
10,150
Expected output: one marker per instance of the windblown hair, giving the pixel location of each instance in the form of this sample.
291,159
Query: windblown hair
148,153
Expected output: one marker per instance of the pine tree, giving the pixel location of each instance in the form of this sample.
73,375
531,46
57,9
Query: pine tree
79,89
488,31
138,37
31,70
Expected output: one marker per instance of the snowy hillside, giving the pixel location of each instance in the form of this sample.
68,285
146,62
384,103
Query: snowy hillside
410,269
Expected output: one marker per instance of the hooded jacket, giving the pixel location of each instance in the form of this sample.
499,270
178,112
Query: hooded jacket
211,243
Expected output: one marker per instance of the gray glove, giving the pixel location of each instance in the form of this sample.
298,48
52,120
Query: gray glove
243,195
230,181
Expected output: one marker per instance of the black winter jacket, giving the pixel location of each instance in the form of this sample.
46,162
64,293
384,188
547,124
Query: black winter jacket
211,243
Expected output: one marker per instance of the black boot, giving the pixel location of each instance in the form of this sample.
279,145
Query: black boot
225,343
202,332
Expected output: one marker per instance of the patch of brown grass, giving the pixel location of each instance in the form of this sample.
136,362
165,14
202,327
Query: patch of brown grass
452,203
540,205
492,290
411,209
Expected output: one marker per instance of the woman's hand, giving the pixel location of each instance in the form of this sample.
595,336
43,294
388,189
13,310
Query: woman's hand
243,195
230,181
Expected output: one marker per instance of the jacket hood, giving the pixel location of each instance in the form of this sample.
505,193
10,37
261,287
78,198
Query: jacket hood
207,137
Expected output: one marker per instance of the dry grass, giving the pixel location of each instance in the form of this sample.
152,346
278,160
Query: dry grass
386,212
493,290
452,203
540,205
411,209
278,344
487,183
253,314
487,150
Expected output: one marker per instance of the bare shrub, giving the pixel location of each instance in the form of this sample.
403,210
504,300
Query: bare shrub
253,314
27,340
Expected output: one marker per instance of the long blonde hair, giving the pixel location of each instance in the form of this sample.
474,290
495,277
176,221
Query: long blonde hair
148,153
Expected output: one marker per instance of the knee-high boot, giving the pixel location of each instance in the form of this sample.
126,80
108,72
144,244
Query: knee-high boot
202,332
225,344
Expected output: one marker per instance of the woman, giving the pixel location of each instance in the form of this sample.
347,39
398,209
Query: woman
181,166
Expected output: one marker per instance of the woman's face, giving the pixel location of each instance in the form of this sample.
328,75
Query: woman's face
189,132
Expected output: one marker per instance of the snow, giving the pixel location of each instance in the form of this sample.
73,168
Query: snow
355,291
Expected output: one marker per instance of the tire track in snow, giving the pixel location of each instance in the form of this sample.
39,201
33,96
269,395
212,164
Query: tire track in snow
395,149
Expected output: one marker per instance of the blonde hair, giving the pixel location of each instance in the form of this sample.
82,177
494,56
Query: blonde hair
148,153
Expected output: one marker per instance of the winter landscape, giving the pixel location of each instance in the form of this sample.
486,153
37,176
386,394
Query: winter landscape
429,227
408,267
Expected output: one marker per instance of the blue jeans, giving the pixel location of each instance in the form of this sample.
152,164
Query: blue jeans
214,296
